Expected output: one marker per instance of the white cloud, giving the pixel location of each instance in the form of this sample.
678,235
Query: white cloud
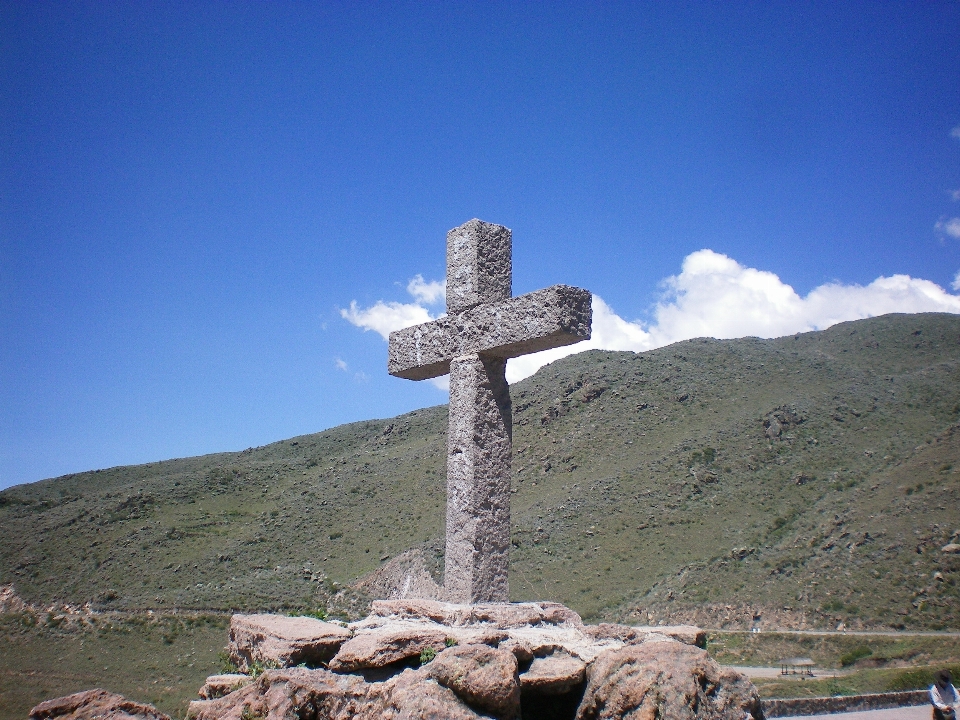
955,132
955,194
428,293
341,365
956,281
384,318
950,226
715,296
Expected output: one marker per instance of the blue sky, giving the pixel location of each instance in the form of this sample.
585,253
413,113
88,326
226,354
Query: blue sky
192,195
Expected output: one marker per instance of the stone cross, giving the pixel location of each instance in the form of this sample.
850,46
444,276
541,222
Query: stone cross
484,326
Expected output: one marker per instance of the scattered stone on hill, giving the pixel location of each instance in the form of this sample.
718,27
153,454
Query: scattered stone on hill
429,659
780,419
10,602
281,641
95,704
406,575
951,548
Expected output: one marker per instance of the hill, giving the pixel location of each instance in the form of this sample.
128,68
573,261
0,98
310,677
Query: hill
804,481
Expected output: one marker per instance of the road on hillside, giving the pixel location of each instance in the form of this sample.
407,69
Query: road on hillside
874,633
915,712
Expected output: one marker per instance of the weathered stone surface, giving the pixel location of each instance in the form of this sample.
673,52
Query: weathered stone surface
479,265
413,696
478,481
498,615
631,635
554,674
369,650
280,641
95,704
520,649
285,694
219,685
305,693
483,677
553,317
664,679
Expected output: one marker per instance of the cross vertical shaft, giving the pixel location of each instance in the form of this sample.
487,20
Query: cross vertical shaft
478,481
479,451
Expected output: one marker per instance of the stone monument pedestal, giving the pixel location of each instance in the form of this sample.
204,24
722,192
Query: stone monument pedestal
430,659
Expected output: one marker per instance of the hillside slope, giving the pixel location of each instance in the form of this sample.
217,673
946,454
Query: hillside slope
803,481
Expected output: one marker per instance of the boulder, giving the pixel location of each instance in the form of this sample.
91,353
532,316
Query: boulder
951,548
281,641
553,675
319,693
483,677
95,704
413,696
664,679
372,650
219,685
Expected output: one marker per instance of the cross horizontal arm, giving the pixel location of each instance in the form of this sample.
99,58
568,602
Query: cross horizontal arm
553,317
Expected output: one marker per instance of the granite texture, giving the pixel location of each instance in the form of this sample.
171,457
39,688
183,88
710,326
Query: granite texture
556,316
479,265
478,482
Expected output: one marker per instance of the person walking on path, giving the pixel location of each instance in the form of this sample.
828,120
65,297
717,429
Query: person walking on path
944,697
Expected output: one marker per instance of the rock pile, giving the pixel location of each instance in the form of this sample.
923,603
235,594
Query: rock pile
428,659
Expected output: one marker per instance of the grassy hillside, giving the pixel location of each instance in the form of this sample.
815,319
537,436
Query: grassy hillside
805,481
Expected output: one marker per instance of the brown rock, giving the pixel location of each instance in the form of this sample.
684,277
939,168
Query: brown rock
411,609
411,695
219,685
289,693
306,693
630,635
553,675
664,679
520,649
281,641
95,705
374,650
483,677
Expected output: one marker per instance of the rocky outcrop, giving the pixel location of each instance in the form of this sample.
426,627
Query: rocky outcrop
95,705
280,641
219,685
429,659
664,678
425,660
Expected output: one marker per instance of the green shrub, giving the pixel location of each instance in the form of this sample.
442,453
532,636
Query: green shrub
856,654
